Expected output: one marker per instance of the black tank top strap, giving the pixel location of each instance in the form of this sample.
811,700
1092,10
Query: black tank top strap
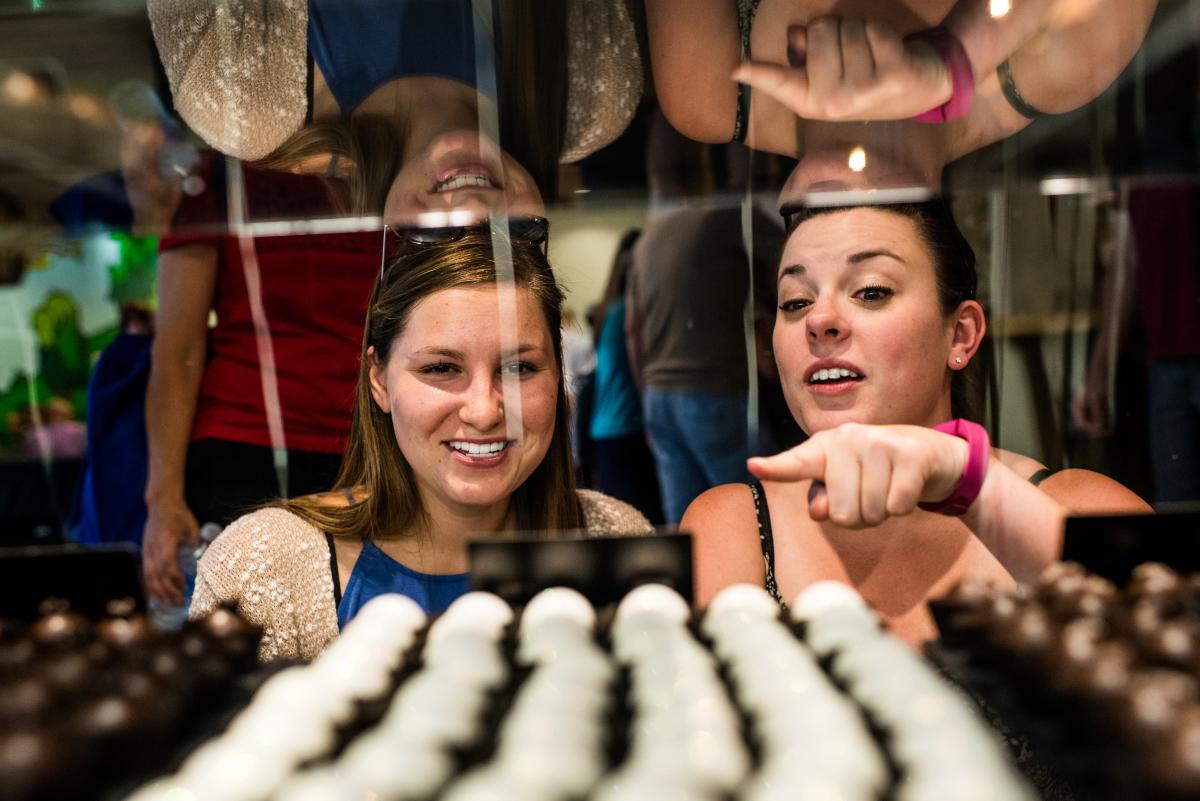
766,540
746,9
333,571
1040,476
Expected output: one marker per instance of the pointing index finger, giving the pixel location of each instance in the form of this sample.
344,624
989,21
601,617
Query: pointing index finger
806,460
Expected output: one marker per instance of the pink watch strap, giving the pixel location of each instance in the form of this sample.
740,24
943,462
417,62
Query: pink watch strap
962,76
978,454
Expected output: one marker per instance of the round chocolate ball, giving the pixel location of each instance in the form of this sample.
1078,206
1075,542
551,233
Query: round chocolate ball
60,629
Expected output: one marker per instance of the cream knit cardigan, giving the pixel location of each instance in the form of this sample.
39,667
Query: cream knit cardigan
238,71
275,567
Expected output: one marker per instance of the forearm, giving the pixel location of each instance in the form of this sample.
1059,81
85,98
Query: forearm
171,394
1076,54
1017,522
989,40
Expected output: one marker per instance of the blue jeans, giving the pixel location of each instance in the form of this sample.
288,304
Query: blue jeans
1174,400
698,440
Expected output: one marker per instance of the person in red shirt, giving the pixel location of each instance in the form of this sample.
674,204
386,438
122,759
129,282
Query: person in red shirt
288,314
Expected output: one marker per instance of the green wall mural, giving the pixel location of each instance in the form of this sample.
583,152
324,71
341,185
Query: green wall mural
64,351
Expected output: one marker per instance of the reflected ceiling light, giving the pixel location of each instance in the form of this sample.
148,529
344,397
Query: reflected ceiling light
1070,185
582,191
868,197
20,88
1000,7
858,159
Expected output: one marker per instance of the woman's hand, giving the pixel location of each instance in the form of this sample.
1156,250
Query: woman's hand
850,69
864,474
168,523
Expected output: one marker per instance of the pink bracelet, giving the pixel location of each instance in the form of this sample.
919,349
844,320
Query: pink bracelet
978,455
962,76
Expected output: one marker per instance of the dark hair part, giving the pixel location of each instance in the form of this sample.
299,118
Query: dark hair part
373,465
954,267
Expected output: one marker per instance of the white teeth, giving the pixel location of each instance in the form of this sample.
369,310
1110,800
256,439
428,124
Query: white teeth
832,374
463,180
478,449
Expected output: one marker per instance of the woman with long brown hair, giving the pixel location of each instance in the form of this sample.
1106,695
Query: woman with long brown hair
460,431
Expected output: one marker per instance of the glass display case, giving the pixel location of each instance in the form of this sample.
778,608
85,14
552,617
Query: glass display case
299,297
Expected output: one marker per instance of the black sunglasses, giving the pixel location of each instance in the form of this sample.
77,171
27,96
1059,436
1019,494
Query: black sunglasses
527,231
791,213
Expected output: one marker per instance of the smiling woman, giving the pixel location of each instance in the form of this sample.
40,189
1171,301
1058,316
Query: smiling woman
459,432
894,492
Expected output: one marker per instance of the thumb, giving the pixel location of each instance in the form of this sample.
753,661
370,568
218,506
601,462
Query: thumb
788,85
806,460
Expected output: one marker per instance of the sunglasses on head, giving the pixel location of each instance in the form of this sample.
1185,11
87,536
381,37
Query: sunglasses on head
526,231
791,213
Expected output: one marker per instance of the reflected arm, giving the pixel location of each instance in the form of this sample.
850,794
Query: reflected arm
186,281
693,47
1073,52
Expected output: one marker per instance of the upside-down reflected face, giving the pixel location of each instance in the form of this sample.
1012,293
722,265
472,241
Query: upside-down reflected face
461,171
443,387
859,333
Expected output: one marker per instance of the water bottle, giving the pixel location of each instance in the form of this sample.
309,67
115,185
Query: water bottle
171,617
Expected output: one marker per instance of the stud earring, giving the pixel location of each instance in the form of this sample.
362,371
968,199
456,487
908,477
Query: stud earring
958,359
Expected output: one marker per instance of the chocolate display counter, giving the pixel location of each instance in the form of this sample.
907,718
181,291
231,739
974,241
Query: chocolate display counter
547,695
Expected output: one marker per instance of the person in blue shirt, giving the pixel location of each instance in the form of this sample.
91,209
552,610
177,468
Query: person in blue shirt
460,431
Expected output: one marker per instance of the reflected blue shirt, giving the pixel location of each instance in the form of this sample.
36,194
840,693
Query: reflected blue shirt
361,45
376,573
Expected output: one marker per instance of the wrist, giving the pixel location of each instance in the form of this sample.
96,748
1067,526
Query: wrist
164,496
974,471
957,65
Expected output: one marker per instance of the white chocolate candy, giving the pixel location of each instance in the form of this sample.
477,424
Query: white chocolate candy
480,612
749,599
558,603
392,615
823,596
655,599
383,768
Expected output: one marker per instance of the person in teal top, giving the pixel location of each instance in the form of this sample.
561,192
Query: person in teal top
622,465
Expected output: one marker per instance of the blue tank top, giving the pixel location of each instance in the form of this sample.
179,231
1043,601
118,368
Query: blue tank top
363,44
376,573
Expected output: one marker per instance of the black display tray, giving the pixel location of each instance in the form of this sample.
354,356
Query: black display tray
87,578
604,569
1113,545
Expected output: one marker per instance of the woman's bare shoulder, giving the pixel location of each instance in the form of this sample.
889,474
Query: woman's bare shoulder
1080,491
1088,492
724,529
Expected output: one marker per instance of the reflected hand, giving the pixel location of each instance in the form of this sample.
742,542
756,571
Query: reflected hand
864,474
153,197
1089,410
168,523
850,69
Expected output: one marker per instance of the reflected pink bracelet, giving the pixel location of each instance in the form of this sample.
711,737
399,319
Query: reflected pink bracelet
978,454
962,76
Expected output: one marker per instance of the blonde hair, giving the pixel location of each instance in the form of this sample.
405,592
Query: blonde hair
364,151
388,501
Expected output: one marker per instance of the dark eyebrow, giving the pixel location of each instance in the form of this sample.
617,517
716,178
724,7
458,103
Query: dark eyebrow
866,255
450,353
799,270
447,352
